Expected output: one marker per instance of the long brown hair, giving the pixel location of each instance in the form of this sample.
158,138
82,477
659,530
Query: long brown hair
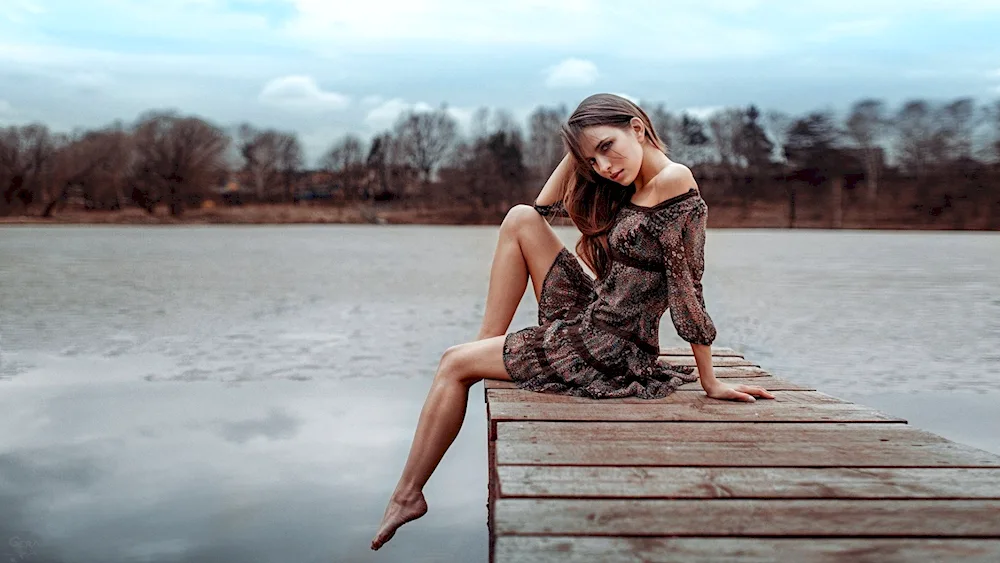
592,201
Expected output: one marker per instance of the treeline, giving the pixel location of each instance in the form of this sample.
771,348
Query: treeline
921,159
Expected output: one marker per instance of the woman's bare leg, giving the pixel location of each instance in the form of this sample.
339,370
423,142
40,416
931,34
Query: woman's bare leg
527,246
440,420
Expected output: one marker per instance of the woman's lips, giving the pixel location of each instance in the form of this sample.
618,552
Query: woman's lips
616,175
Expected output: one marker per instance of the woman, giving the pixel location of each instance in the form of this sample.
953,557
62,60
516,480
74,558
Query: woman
642,221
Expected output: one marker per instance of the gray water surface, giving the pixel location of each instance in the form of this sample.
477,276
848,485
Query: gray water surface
250,393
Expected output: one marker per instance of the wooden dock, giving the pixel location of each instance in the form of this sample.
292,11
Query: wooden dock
804,477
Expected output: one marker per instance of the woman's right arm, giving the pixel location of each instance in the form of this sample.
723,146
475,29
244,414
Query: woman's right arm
549,200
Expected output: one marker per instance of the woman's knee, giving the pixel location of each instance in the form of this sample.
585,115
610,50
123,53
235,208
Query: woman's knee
456,364
518,216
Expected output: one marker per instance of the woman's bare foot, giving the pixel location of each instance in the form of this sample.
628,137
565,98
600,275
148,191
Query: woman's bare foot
399,512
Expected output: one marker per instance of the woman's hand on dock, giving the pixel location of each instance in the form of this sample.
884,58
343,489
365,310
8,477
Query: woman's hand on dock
737,392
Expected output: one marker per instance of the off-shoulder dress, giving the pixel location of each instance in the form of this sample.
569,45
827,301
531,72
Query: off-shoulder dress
600,339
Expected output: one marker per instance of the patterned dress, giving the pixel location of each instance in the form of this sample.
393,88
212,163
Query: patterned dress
600,339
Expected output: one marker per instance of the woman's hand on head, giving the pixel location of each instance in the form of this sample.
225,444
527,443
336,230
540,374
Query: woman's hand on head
741,392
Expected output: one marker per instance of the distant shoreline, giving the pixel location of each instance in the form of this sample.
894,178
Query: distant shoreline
761,215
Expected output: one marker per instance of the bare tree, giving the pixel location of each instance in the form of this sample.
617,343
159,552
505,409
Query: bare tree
777,124
96,165
502,121
866,126
425,138
26,155
270,159
492,162
725,126
176,159
915,137
662,121
742,148
545,147
814,143
691,143
290,161
955,124
346,159
813,149
479,125
379,161
494,170
753,144
995,113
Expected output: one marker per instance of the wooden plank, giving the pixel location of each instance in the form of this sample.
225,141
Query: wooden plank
823,479
493,488
686,351
583,549
804,454
748,482
738,517
785,444
668,434
761,379
716,362
724,372
700,409
770,383
532,398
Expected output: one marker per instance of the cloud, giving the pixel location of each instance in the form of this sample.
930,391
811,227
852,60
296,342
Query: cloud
571,73
702,112
384,115
6,108
632,99
301,92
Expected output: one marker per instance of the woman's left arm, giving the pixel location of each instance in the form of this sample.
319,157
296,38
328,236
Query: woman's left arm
693,321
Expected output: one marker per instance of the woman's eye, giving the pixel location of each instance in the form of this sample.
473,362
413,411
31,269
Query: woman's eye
606,146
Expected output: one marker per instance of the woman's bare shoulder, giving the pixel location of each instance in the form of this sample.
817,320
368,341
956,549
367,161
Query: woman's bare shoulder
675,179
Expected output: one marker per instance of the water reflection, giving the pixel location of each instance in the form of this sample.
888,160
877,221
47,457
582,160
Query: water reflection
249,394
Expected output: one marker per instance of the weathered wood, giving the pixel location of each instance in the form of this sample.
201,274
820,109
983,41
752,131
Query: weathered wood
803,454
780,397
686,351
782,444
724,372
767,382
804,477
748,482
698,409
704,432
716,362
739,517
569,549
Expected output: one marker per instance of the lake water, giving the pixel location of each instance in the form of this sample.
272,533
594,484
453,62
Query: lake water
239,394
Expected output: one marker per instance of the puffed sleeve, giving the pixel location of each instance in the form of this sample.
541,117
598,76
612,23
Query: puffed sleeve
685,263
554,209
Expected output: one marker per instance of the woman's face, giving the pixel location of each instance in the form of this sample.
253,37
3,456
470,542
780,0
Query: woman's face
612,152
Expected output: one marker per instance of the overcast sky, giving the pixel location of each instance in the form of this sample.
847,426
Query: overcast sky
325,67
